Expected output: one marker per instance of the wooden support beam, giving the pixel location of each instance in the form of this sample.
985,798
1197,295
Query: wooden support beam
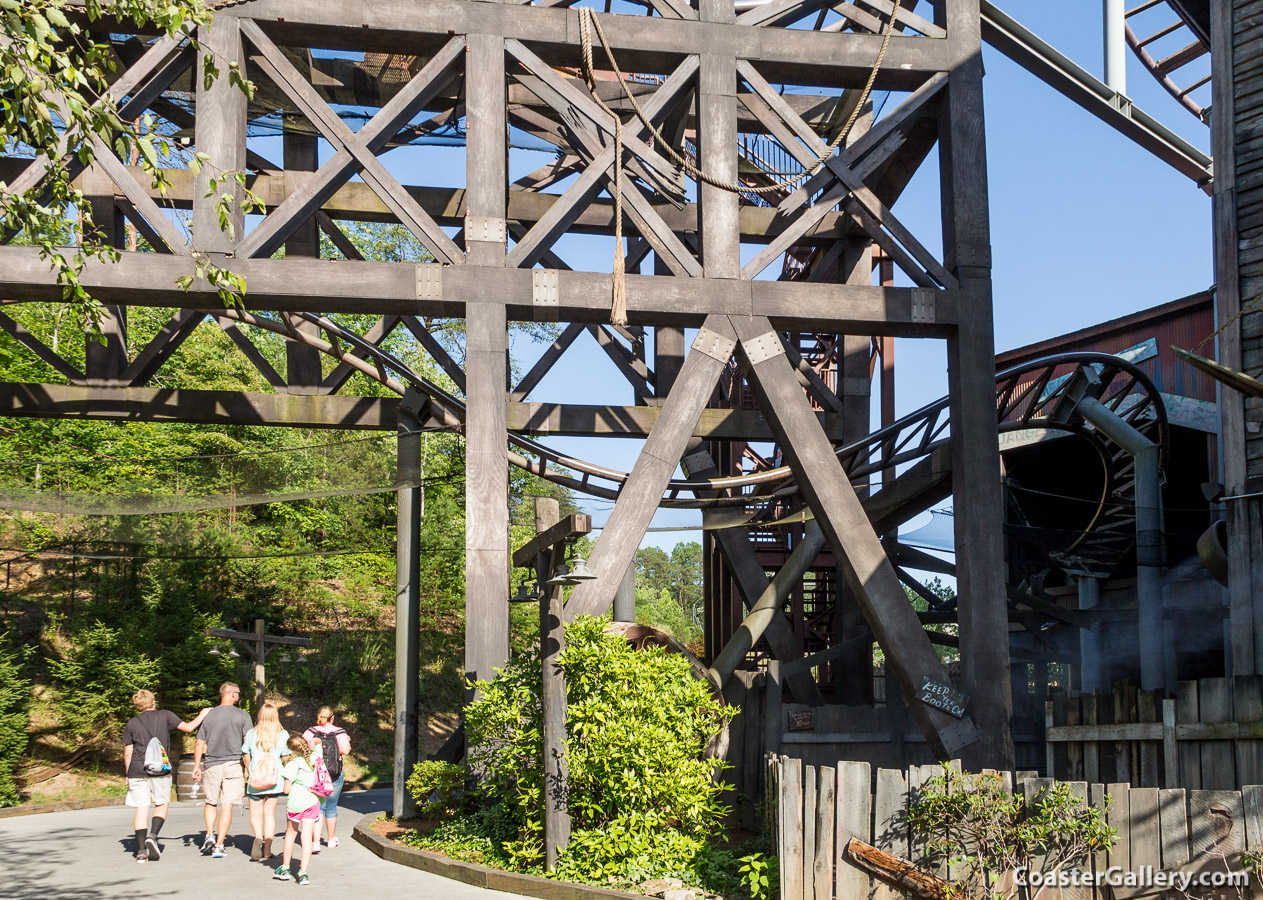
139,404
638,498
572,526
547,360
40,349
980,567
838,509
159,349
221,135
486,364
337,286
577,420
643,43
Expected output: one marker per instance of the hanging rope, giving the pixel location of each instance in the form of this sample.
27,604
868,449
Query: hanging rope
588,22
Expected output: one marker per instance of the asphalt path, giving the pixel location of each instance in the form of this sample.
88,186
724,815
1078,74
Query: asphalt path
88,855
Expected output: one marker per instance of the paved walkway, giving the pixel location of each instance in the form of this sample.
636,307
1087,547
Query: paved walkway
87,855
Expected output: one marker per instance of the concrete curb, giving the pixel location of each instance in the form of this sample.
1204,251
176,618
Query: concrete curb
478,876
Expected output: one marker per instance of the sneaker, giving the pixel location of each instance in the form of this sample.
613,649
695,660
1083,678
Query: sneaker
303,879
151,844
218,852
256,850
208,845
282,874
316,848
142,857
333,842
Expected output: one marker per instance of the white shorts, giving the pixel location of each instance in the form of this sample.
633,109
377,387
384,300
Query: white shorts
152,790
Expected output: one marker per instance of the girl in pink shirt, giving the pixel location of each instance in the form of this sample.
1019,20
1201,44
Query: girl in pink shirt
335,744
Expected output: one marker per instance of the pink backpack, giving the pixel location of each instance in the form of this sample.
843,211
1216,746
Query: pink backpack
323,784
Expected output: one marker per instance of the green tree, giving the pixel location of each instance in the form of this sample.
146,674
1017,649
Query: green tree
55,76
15,698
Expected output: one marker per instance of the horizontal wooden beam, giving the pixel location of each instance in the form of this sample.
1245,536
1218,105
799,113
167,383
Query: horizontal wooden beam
565,419
573,525
345,286
61,401
642,43
257,638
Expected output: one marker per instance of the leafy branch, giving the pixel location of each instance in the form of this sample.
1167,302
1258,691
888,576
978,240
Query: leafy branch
55,102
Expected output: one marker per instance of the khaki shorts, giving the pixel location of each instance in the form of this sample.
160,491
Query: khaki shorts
224,783
152,790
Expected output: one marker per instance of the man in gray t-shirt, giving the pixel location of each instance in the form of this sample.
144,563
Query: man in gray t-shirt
217,764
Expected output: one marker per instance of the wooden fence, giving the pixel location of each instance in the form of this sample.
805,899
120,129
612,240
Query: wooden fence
815,810
1209,737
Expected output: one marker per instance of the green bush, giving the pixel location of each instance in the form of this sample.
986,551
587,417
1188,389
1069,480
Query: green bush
642,797
985,830
15,698
439,787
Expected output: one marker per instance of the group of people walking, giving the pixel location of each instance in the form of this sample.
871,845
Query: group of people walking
235,760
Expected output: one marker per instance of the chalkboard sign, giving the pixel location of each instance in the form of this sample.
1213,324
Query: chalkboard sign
802,720
942,696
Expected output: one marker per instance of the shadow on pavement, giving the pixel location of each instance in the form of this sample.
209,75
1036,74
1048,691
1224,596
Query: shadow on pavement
32,864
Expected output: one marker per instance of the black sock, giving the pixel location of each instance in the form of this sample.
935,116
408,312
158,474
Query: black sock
140,839
156,825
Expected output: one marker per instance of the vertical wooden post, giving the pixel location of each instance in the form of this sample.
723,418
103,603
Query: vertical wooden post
221,134
717,143
260,684
302,362
552,639
984,635
772,715
104,362
407,611
486,361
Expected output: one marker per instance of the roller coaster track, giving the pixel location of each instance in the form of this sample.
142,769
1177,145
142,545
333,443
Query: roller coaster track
1029,400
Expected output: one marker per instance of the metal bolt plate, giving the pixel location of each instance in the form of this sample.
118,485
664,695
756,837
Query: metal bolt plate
697,462
923,305
763,347
545,294
713,344
490,229
429,281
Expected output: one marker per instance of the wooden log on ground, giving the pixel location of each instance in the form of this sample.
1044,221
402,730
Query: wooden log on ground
899,873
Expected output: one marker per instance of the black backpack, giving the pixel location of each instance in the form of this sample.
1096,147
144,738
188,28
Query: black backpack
329,749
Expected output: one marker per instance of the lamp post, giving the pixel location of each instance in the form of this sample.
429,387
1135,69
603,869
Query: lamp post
259,646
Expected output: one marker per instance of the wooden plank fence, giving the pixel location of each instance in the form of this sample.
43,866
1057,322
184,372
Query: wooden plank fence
815,810
1209,737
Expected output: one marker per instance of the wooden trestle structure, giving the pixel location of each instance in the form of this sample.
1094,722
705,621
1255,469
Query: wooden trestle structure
710,68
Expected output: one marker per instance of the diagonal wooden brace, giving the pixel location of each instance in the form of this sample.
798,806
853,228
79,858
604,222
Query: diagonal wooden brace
354,151
831,496
639,497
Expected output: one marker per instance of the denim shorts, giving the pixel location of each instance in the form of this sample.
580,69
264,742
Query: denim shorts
329,805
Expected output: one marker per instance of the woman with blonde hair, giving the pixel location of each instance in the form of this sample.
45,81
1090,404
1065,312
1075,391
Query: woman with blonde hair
262,753
334,744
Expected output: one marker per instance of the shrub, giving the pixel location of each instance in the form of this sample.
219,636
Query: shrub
15,697
986,831
642,796
439,787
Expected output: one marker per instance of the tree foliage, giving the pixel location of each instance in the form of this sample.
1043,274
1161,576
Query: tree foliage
642,795
55,77
15,701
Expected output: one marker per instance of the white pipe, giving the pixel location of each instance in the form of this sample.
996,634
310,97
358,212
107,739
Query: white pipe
1115,14
1149,537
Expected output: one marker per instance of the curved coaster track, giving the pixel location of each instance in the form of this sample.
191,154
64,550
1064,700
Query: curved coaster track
1032,406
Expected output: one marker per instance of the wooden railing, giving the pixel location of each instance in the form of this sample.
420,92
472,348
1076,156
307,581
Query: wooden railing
814,811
